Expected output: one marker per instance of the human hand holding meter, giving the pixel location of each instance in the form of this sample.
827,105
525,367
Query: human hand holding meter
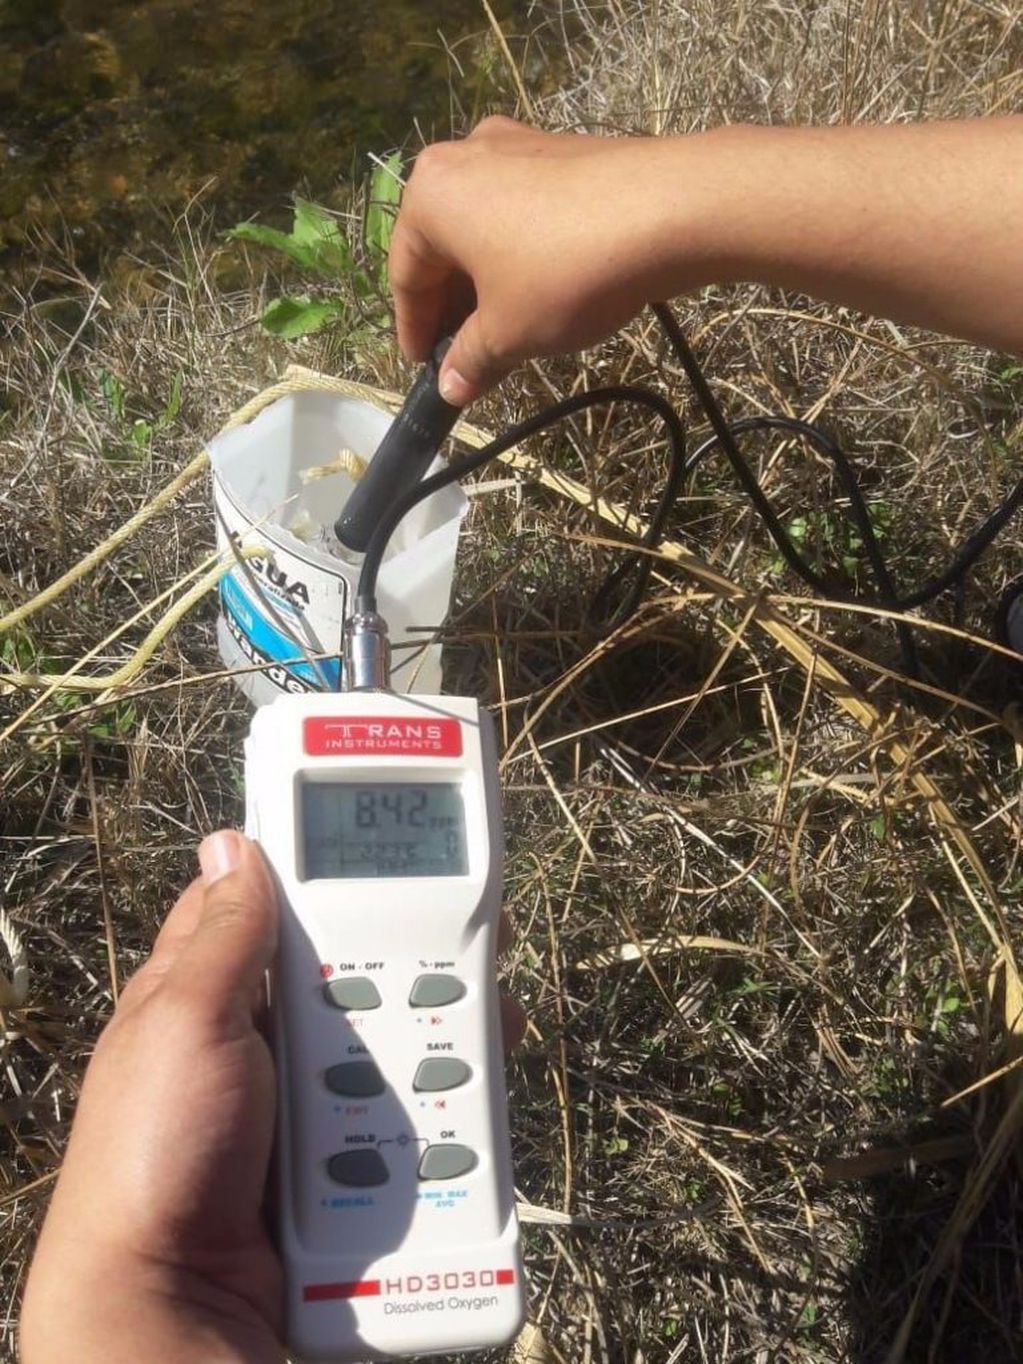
155,1245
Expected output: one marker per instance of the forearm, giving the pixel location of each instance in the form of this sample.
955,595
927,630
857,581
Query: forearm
920,223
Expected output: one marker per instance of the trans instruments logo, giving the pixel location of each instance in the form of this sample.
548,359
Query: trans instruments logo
334,736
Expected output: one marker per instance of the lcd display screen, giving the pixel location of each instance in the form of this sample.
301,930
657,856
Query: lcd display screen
382,829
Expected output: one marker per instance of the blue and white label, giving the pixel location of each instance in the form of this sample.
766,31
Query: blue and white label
264,642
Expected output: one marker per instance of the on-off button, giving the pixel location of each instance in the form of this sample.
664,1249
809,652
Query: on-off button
352,992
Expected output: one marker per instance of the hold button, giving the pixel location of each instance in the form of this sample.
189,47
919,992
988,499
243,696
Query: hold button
358,1169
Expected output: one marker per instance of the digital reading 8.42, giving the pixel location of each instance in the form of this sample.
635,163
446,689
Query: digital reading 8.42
382,829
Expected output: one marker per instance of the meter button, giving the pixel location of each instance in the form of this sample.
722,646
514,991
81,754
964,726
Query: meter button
432,992
358,1169
446,1161
355,1079
441,1072
352,992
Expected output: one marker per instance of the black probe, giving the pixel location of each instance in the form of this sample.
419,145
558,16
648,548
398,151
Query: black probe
403,456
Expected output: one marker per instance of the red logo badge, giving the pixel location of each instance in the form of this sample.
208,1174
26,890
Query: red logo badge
327,736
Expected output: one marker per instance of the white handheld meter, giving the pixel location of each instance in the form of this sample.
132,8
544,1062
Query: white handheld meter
380,816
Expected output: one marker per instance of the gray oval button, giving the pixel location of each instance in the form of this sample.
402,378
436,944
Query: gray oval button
441,1072
358,1169
447,1161
434,991
355,1079
352,992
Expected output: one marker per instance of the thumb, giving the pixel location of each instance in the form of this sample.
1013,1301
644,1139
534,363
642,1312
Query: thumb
470,367
234,941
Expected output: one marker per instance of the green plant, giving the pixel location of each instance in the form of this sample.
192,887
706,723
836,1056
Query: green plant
138,430
18,652
319,248
113,722
809,1315
837,537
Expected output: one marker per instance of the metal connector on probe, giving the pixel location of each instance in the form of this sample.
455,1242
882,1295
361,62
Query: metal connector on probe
366,652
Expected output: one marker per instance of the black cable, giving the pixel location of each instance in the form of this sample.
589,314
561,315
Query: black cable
962,562
725,436
366,594
680,467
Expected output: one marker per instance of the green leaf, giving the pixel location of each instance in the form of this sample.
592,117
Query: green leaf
173,404
809,1314
18,652
882,518
300,252
381,210
291,317
315,241
141,434
113,391
319,233
69,700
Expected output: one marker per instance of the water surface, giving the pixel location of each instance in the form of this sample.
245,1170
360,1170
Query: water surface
115,115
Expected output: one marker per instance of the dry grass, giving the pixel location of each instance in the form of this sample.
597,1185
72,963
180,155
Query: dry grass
773,995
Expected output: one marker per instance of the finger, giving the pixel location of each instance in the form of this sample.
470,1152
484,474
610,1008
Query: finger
221,965
418,317
420,283
175,931
470,367
513,1022
179,924
459,302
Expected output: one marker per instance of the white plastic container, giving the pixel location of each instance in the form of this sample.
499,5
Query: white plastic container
259,494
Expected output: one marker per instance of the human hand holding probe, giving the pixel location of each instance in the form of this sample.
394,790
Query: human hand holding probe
532,243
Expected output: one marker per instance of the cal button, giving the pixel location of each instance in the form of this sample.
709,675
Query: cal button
355,1079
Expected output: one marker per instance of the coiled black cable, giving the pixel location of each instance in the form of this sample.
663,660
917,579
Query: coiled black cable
680,467
645,397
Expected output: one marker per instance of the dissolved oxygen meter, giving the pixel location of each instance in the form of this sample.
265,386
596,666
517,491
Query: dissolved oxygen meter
380,817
